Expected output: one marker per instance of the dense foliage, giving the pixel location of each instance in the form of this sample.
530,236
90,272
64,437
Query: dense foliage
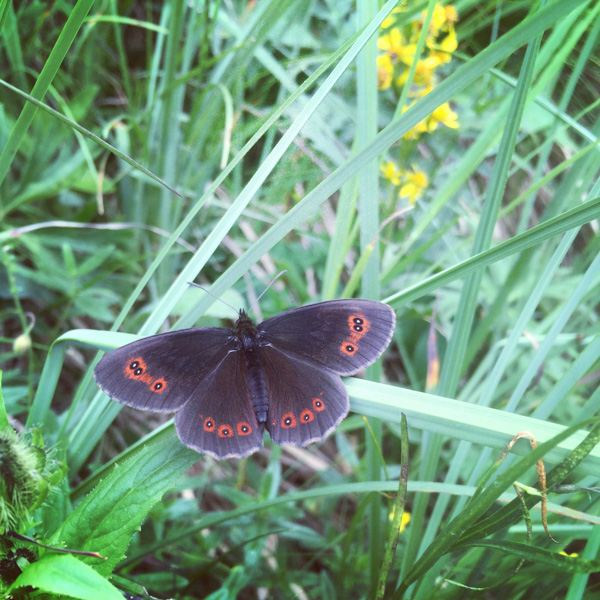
440,157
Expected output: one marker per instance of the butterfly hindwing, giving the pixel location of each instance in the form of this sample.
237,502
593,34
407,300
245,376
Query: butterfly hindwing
341,335
162,372
306,401
219,420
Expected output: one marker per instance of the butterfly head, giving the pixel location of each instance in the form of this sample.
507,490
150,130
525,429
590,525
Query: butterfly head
243,316
244,322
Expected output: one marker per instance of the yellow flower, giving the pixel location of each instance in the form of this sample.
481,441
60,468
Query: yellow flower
442,114
393,43
391,18
415,183
451,15
391,172
442,19
438,20
417,130
403,77
449,43
389,41
385,71
404,520
424,73
442,52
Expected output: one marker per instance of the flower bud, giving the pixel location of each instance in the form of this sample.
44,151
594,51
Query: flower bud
21,344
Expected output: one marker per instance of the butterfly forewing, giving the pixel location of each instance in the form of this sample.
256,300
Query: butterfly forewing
306,401
219,419
162,372
341,335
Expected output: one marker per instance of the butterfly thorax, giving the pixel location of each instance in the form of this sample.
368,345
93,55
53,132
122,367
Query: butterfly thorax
246,332
257,386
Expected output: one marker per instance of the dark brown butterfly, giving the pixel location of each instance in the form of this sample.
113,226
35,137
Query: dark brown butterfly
226,386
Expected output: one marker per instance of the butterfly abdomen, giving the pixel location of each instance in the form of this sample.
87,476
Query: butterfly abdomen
255,374
257,385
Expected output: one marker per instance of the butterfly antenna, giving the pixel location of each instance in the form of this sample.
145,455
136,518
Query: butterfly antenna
213,295
265,290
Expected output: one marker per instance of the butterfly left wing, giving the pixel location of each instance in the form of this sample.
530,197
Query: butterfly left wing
198,373
343,336
219,420
161,372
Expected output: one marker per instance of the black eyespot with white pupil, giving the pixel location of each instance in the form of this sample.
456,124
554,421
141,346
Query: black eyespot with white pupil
136,368
306,417
288,420
158,386
245,429
350,348
358,324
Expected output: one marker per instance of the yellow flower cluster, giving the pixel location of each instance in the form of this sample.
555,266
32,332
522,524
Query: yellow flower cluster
399,48
442,114
412,182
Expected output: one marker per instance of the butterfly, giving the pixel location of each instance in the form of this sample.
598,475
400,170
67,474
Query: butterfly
226,386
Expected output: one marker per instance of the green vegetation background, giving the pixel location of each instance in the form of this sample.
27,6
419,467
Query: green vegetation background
145,145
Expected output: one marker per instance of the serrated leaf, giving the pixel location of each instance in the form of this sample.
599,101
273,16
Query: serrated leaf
95,302
65,575
114,510
95,260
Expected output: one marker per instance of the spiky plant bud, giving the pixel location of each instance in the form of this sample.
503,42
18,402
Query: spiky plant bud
19,478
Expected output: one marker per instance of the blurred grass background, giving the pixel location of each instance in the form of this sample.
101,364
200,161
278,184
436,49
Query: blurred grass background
443,158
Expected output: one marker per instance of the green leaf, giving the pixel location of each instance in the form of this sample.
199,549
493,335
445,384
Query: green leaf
231,586
554,560
109,515
64,574
4,424
70,262
95,260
